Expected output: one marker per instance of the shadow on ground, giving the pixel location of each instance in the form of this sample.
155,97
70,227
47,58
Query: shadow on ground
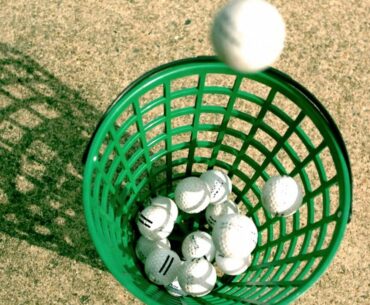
44,128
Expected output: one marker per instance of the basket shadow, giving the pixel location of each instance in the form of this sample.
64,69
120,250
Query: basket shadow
44,128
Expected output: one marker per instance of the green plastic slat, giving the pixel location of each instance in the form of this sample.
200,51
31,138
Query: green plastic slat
168,132
198,104
225,121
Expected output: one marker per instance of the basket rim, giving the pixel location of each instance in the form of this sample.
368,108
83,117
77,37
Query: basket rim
88,158
273,72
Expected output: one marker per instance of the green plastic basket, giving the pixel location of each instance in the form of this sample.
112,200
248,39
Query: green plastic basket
196,114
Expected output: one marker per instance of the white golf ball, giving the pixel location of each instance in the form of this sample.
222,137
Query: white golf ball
145,246
197,277
175,289
162,266
248,35
281,195
198,244
214,211
235,235
154,222
192,195
233,265
168,204
219,185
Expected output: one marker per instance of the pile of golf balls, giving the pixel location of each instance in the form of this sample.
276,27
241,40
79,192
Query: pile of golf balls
224,242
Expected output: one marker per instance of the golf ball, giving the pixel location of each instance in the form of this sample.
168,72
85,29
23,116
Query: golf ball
281,195
219,185
248,35
175,289
154,222
235,235
197,277
162,266
145,246
198,244
233,265
192,195
214,211
168,204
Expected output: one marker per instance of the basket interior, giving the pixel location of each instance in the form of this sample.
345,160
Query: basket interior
181,122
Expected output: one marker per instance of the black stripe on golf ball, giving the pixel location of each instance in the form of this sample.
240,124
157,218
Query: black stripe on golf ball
144,223
164,264
169,265
147,219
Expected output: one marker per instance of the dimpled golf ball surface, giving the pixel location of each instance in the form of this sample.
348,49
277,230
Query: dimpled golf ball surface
192,195
281,195
219,185
214,211
168,204
162,265
198,244
145,246
248,35
154,222
233,265
235,235
197,277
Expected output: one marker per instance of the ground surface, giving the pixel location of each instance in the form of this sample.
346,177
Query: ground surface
74,57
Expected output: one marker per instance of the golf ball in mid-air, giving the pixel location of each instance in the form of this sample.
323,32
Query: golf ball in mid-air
248,35
145,246
214,211
233,265
235,235
198,244
192,195
197,277
219,185
166,203
175,289
162,266
154,222
281,195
